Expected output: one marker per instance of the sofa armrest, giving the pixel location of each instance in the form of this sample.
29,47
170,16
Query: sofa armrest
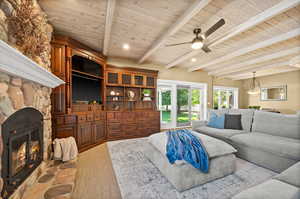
197,123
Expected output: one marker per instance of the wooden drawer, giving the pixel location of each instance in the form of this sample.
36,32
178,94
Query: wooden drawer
80,107
114,133
65,131
95,107
114,116
154,115
81,118
99,116
129,126
96,116
130,129
128,117
114,130
103,115
66,119
59,120
90,117
70,119
114,126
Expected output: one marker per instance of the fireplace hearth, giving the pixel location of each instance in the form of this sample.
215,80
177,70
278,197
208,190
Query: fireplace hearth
22,135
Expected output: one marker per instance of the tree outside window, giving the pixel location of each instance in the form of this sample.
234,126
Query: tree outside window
224,98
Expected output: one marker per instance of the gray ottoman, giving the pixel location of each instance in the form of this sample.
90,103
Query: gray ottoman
183,175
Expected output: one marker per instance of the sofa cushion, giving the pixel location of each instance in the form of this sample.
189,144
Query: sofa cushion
271,189
247,117
214,147
216,121
233,121
291,175
277,124
280,146
223,134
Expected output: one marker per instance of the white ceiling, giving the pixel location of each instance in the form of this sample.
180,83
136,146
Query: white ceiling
255,29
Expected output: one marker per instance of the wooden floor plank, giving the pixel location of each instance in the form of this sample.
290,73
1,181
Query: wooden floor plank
95,176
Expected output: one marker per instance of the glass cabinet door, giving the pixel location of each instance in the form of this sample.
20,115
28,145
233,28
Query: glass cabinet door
138,80
150,81
126,79
112,78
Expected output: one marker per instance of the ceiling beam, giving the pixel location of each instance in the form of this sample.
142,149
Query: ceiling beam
265,43
259,68
267,14
229,69
265,73
183,19
111,4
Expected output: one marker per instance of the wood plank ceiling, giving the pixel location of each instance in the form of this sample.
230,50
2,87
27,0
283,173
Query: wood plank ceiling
266,37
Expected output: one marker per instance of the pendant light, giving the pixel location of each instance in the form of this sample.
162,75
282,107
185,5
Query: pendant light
254,86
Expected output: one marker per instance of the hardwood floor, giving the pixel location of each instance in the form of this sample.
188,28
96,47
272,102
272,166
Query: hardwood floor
95,176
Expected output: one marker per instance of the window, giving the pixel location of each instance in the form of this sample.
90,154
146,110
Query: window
181,102
225,97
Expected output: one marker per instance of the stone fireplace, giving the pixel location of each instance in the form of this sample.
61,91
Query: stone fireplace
22,135
25,88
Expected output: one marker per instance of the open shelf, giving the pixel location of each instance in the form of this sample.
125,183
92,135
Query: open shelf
87,80
131,84
86,74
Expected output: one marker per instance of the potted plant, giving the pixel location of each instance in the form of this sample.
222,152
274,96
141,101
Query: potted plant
146,94
254,107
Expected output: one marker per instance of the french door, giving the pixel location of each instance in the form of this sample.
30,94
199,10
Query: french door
165,106
189,105
180,103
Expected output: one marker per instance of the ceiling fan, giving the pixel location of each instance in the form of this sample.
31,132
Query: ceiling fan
199,41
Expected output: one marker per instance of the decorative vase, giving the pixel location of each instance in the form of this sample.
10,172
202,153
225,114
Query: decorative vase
112,93
130,95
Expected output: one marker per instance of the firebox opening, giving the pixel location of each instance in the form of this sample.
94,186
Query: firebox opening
22,135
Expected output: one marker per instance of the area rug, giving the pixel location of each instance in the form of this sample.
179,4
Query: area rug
138,178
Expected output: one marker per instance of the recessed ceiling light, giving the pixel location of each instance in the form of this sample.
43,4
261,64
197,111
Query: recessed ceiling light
193,60
126,46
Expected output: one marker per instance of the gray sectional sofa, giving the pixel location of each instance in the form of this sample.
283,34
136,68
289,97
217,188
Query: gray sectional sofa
282,186
270,140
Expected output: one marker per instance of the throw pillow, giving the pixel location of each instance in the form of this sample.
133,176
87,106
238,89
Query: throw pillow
216,121
233,121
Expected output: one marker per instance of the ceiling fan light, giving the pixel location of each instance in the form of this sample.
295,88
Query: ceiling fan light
197,45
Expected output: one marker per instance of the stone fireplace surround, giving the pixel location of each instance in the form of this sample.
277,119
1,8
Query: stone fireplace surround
17,92
25,82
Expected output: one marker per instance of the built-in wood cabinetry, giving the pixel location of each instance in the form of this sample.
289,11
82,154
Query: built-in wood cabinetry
129,112
96,104
132,124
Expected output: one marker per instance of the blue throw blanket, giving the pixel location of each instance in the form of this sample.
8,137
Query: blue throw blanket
183,145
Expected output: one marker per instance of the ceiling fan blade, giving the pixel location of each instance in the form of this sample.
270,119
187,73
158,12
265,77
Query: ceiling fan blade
178,44
206,49
215,27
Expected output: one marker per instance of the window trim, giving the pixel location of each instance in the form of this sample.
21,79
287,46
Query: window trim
227,88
